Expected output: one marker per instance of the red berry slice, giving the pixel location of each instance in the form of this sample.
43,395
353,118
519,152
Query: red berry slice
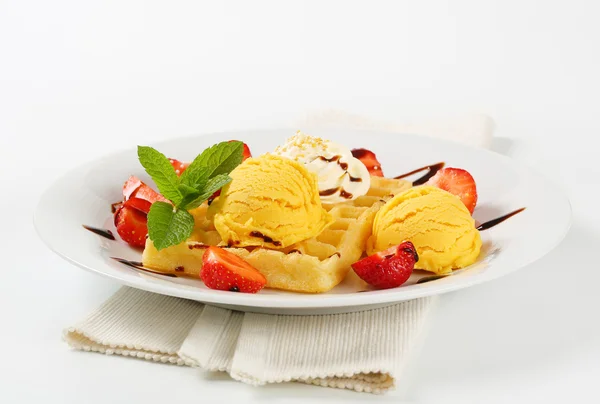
458,182
132,225
130,186
223,270
135,188
369,159
390,268
139,204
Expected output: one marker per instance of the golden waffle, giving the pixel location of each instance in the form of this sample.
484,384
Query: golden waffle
315,265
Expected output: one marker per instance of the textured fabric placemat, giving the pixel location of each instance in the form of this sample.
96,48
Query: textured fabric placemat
363,351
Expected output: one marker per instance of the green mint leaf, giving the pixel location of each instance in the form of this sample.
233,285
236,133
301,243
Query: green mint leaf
212,186
186,189
187,201
158,167
168,227
221,158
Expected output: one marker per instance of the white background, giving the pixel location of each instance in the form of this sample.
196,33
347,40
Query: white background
81,79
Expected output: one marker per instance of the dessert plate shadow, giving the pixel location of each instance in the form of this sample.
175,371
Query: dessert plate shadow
84,196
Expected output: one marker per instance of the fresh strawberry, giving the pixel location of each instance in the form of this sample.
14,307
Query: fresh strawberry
130,186
139,204
223,270
247,153
178,166
130,217
132,225
135,188
369,159
458,182
389,268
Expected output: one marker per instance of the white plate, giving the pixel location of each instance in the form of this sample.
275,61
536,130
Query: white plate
84,195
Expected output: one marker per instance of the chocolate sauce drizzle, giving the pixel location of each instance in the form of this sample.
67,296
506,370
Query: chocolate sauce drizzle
101,232
115,206
430,278
331,191
432,170
266,239
233,243
491,223
197,245
344,166
139,266
332,159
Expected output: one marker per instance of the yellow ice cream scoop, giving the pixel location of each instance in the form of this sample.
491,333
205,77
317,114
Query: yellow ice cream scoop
435,221
271,202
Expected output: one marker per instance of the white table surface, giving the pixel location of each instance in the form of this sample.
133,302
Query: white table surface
79,80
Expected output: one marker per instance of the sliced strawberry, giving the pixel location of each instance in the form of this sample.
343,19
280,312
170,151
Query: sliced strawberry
369,159
458,182
148,194
132,225
247,153
139,204
130,186
179,166
223,270
388,269
135,188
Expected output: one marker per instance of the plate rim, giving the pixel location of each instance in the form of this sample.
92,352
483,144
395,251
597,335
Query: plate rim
324,301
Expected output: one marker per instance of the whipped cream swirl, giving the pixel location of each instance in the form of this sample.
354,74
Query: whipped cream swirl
341,176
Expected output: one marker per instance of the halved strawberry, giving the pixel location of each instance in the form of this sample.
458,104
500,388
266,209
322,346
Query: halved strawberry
369,159
389,268
178,166
223,270
247,153
458,182
132,225
135,188
130,186
130,217
139,204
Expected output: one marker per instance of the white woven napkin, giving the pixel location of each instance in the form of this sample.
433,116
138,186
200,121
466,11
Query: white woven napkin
364,351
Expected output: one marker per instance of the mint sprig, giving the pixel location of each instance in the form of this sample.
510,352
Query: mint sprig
168,224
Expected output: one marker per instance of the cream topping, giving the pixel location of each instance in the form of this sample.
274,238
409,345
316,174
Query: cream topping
341,176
